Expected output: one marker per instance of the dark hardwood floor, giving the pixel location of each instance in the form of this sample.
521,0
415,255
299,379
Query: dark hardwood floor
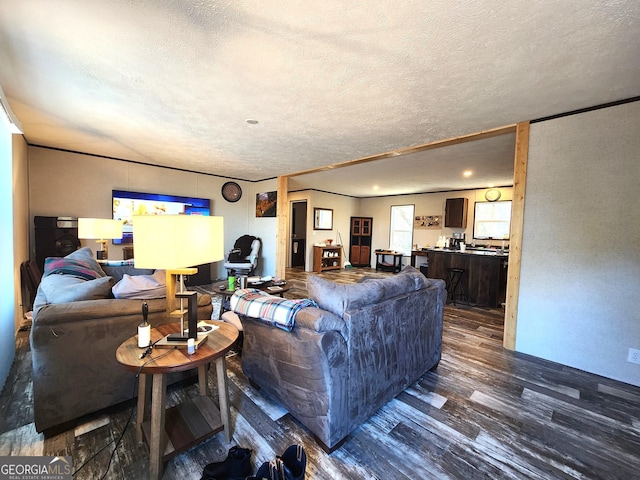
485,413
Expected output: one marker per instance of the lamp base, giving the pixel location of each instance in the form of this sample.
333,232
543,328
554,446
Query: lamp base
176,337
166,343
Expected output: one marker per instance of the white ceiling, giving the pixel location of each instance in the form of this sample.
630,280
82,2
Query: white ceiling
172,82
490,161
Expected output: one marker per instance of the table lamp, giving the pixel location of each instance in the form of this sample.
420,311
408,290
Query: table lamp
175,243
102,230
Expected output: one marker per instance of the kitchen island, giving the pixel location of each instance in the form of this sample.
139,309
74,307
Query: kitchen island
485,279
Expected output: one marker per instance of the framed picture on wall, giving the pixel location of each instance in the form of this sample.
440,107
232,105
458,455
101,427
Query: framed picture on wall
266,204
427,221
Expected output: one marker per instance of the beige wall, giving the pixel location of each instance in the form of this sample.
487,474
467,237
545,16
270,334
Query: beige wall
425,204
580,271
379,208
13,240
343,209
78,185
20,221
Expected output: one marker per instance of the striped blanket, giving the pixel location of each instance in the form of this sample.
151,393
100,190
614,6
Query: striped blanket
274,311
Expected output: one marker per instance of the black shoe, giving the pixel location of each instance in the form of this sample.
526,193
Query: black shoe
267,471
237,465
292,463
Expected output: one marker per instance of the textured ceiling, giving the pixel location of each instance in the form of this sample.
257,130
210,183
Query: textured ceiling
489,160
172,82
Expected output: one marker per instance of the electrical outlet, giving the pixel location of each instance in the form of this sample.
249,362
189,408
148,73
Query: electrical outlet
634,356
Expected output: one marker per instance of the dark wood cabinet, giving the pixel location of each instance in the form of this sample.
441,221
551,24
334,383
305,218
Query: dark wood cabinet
455,213
360,241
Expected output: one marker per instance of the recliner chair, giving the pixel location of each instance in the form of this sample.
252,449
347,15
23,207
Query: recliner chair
243,257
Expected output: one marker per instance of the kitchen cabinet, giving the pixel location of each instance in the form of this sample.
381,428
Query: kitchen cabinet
455,212
360,241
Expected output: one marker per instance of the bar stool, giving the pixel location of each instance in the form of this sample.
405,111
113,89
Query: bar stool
455,285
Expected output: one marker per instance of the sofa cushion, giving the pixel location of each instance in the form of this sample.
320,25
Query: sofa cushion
119,271
80,264
340,297
392,286
419,279
406,281
142,287
68,288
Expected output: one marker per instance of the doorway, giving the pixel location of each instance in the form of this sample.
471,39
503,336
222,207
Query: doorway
298,233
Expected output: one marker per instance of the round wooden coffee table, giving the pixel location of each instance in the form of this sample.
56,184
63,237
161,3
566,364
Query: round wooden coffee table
192,421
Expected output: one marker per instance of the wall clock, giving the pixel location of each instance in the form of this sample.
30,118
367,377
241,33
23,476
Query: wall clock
231,192
492,195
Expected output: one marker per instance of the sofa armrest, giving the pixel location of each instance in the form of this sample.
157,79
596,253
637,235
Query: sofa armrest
319,320
305,370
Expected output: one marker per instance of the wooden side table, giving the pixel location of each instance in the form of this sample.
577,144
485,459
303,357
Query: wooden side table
381,264
169,432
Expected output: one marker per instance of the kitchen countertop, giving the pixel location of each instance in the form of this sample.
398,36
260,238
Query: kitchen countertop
494,252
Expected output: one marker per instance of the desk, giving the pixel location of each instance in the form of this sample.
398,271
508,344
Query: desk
382,264
190,422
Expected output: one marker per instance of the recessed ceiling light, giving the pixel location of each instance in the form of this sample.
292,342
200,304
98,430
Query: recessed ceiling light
376,187
467,173
252,121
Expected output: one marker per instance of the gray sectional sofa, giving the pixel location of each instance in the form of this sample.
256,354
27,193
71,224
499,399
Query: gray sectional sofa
364,345
77,327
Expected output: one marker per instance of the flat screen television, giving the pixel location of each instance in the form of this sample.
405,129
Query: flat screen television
127,204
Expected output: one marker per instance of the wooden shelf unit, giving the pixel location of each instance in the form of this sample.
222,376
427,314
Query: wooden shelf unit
327,258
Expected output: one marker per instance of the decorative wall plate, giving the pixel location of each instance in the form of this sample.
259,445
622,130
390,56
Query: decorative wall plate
231,192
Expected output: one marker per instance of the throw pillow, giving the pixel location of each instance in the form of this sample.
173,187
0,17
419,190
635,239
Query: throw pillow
118,272
141,287
340,297
68,288
80,264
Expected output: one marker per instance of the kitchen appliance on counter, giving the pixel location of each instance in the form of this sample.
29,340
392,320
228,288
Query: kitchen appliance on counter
456,241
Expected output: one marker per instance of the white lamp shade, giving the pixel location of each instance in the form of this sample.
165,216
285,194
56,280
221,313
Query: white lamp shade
99,228
177,241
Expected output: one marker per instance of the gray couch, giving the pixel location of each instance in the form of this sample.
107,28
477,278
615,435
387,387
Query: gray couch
343,361
73,345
